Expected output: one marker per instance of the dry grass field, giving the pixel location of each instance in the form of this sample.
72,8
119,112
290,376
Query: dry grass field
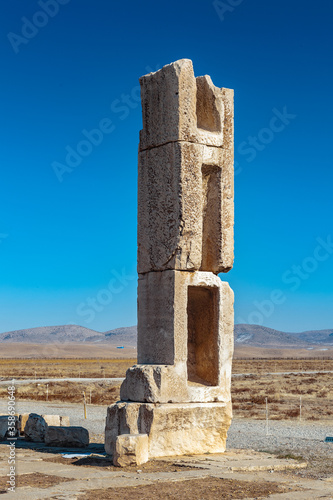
262,366
262,379
21,368
102,393
290,394
64,368
287,396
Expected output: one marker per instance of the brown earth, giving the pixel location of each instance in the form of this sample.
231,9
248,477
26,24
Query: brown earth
164,478
35,479
203,489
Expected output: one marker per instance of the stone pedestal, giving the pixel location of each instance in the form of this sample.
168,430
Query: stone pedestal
172,428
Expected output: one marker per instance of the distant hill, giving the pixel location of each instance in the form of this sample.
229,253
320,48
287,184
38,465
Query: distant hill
245,335
53,334
261,336
258,336
316,336
126,335
65,334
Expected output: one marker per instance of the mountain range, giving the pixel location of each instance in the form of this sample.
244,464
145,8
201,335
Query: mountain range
251,335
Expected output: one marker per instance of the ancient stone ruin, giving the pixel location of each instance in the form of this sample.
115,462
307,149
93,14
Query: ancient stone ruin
178,395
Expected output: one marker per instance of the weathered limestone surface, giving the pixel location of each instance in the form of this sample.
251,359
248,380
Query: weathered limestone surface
64,421
164,319
35,428
179,392
185,209
23,420
163,94
176,106
172,429
52,419
56,420
74,437
155,383
185,195
49,420
130,449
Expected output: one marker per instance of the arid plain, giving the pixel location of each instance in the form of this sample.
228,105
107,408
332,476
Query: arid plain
292,387
287,382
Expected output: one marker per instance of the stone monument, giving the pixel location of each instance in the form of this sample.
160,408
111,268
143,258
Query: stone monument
176,400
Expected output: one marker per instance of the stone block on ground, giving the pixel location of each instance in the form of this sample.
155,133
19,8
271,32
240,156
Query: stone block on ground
35,428
5,422
67,437
23,420
130,449
49,419
52,419
3,426
64,421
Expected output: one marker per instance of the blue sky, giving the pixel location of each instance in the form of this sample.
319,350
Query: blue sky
69,67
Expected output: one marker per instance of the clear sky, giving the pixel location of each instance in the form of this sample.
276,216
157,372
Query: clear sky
68,208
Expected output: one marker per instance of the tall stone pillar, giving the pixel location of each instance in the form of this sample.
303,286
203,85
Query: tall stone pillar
179,392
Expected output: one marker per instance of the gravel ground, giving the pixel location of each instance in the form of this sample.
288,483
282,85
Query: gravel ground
298,439
247,433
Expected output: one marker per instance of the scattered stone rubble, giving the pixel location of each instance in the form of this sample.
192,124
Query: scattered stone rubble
71,437
4,426
53,430
35,428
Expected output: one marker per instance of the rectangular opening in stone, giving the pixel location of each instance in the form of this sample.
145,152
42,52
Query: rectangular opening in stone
202,327
208,116
211,217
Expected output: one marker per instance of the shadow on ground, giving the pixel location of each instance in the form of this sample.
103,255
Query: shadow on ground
21,443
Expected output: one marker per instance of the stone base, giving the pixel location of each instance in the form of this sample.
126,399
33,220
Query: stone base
172,429
130,449
66,437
